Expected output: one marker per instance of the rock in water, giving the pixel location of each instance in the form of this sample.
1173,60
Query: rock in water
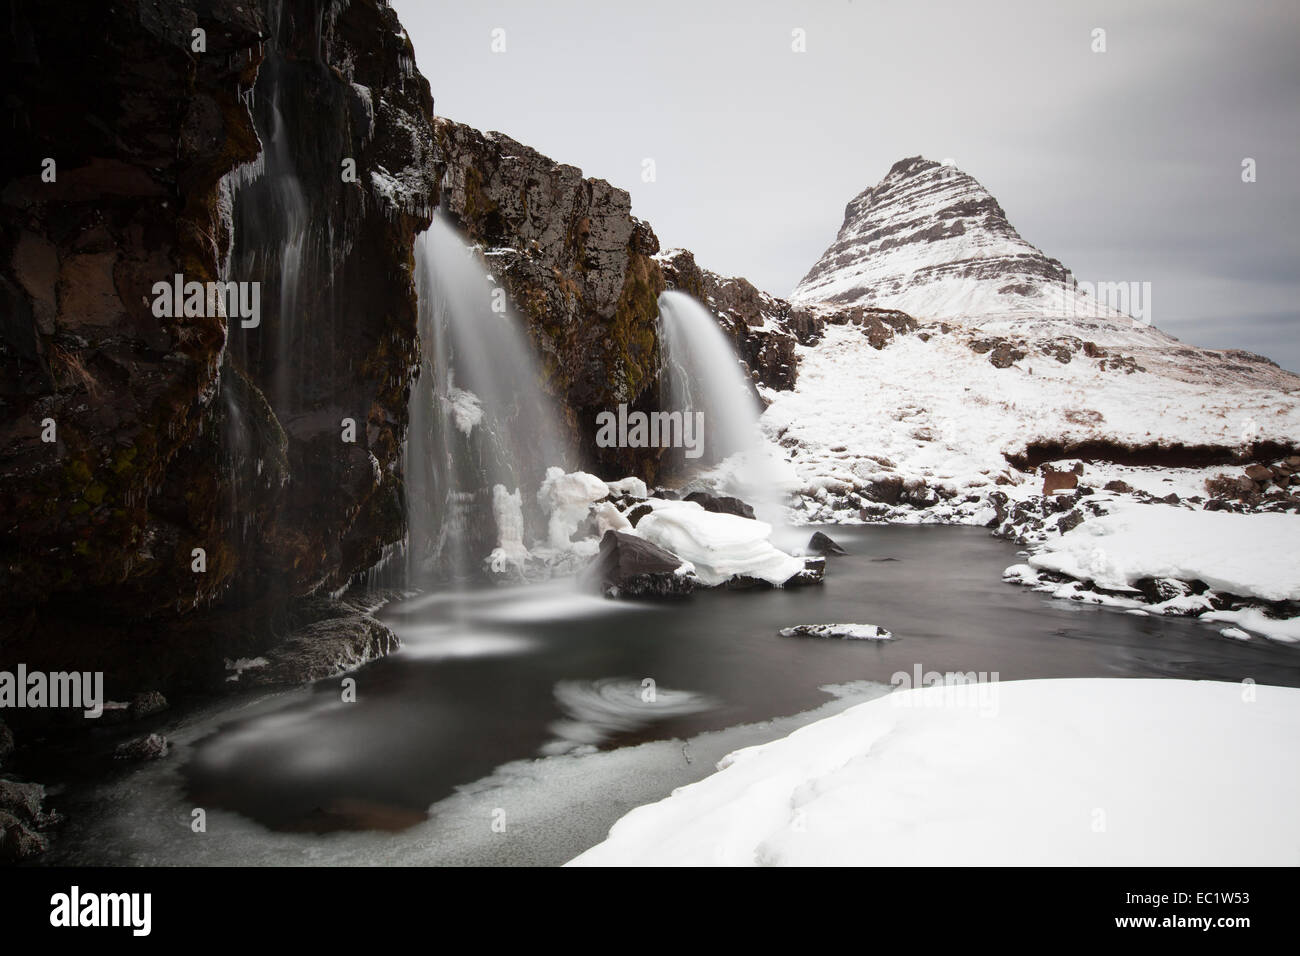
849,632
821,543
17,840
721,504
146,704
151,747
630,566
814,572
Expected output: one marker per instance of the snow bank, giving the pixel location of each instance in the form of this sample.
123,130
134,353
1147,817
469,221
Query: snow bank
719,546
1069,772
1249,555
1253,619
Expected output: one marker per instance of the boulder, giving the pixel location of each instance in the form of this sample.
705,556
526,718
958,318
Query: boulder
721,504
1259,473
630,566
147,704
337,643
850,632
814,572
1054,481
1004,355
150,747
23,800
18,842
823,544
1069,521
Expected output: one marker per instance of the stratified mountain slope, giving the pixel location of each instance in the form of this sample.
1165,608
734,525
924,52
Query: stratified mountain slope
931,241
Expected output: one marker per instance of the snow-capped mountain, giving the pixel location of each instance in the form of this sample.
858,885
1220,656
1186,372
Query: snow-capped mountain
931,241
1003,365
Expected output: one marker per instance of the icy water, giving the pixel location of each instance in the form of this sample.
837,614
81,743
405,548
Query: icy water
435,761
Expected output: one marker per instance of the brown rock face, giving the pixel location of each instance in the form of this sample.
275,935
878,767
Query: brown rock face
129,439
1054,481
576,264
140,132
334,258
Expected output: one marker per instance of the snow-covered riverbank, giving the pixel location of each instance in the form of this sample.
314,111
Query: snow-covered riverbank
1100,772
1241,569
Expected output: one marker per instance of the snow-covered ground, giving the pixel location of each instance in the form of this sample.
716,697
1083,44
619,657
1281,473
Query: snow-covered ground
1250,555
938,413
1244,556
1103,772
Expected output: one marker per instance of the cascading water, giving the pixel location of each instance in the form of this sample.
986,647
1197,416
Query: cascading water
702,373
482,431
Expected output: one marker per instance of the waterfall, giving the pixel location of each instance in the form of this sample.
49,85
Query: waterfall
479,418
702,373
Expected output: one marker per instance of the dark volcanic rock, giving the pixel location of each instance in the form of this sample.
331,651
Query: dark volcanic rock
147,704
19,842
814,572
25,800
330,647
721,504
142,133
149,747
821,543
630,566
636,514
194,432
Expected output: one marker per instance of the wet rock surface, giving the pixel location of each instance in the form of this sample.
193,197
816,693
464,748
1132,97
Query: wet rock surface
632,567
823,544
148,747
195,432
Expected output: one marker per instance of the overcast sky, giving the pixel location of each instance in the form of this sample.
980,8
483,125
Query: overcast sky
1125,165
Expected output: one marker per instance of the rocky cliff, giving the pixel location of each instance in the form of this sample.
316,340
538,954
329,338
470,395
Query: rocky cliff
576,264
204,138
